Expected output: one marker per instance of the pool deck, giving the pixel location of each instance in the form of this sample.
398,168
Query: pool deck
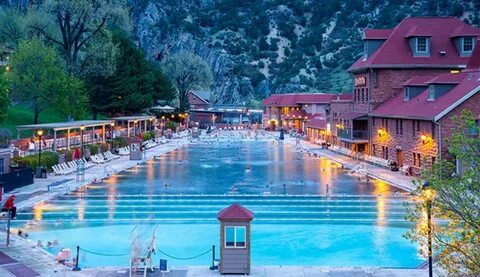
38,259
264,271
395,178
42,262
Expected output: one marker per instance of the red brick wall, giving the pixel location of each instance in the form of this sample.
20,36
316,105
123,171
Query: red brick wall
389,82
448,125
337,108
408,142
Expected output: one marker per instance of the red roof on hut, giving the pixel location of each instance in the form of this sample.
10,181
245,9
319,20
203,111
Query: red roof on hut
235,212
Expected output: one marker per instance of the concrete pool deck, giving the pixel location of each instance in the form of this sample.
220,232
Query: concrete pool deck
396,179
44,263
263,271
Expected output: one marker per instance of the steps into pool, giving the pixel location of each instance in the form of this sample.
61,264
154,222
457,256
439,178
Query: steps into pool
204,208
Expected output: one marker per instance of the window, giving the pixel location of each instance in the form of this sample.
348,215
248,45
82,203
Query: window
385,152
431,92
401,126
373,149
433,130
416,159
235,236
1,165
373,122
375,79
406,94
421,45
418,125
366,95
467,44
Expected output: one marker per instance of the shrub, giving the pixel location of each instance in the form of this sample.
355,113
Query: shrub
119,143
49,159
102,146
171,125
148,135
93,149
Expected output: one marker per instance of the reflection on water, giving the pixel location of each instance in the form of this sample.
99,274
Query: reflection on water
249,167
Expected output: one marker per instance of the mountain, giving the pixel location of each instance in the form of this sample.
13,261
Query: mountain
256,47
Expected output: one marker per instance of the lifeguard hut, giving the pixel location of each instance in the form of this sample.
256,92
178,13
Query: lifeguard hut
136,150
235,239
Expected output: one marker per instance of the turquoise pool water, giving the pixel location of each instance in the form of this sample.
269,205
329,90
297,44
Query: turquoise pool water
295,222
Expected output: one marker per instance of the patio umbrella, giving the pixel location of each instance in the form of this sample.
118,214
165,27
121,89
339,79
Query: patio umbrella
76,154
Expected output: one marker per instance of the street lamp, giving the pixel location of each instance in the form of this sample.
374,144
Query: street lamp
82,128
135,127
151,124
429,195
39,134
112,124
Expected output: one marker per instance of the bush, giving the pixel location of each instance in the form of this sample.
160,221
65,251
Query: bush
103,147
148,135
93,149
119,143
49,159
171,125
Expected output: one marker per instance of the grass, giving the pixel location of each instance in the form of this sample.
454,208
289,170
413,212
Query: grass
22,115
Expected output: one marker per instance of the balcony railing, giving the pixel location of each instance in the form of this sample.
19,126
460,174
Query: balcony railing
353,135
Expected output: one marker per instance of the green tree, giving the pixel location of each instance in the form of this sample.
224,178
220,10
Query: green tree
12,27
4,100
79,28
187,72
456,203
72,99
135,85
37,79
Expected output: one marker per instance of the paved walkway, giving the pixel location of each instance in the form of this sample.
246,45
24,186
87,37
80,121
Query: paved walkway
395,178
262,271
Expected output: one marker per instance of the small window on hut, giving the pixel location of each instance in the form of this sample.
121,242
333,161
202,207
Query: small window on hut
235,236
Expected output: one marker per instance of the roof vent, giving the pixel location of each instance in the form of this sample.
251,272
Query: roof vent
443,53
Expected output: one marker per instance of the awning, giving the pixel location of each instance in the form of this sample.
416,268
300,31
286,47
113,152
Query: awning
58,126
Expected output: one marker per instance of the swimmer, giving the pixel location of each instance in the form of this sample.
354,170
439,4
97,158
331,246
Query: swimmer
49,244
39,243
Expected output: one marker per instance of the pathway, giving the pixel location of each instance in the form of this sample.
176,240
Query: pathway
395,178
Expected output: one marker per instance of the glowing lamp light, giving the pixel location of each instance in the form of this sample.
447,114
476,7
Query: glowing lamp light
39,133
112,124
381,132
82,127
425,139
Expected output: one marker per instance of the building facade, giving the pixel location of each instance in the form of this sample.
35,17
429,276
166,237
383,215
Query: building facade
409,84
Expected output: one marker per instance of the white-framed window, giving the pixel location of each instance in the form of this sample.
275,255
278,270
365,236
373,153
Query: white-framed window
431,92
422,45
2,161
406,94
235,236
467,44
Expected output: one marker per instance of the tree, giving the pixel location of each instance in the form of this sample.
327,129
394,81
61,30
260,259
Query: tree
4,100
187,72
457,202
135,85
12,27
72,99
38,80
79,28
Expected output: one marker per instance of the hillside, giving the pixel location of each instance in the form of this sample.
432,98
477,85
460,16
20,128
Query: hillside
256,47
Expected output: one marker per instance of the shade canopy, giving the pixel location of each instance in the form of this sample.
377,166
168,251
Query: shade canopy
58,126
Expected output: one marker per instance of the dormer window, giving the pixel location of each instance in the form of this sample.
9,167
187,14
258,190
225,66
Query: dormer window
422,45
431,93
406,94
467,44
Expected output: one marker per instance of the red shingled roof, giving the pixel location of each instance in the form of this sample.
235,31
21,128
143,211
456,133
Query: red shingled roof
376,33
295,99
418,80
395,52
474,61
235,212
446,79
420,107
317,123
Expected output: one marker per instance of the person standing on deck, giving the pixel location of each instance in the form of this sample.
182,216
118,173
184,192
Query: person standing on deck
10,206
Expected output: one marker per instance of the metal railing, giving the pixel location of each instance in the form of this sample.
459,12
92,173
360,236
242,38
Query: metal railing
353,135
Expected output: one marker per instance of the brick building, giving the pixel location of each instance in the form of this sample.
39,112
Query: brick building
416,47
304,112
408,85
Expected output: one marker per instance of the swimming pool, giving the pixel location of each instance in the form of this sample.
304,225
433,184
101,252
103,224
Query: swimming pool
359,222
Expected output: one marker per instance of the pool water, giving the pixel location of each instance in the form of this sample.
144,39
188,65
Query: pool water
358,223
